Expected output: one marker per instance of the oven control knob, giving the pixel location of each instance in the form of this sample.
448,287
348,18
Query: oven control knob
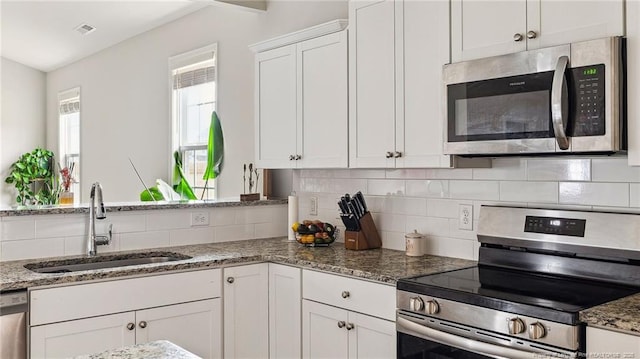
432,307
416,304
516,326
537,330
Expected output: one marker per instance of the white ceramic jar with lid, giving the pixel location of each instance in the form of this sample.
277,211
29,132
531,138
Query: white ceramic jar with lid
414,243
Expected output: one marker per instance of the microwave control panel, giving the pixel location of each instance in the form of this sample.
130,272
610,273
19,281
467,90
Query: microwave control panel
588,100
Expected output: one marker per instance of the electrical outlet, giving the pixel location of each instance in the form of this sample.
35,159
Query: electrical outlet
313,211
199,219
465,217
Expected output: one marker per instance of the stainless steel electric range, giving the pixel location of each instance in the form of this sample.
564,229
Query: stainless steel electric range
537,270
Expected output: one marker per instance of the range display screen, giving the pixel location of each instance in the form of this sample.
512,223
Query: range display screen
559,226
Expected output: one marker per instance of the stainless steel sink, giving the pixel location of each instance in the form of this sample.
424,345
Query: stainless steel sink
102,262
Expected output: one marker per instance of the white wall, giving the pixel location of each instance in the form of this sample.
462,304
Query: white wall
125,109
22,118
427,200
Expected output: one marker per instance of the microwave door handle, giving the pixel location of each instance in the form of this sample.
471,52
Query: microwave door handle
559,103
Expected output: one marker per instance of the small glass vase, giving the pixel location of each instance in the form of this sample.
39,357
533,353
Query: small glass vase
66,198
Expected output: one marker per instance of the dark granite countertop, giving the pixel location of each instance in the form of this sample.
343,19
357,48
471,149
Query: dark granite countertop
621,315
132,206
159,349
380,265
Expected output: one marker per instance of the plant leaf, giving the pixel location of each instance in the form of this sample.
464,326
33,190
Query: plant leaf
182,187
215,148
155,195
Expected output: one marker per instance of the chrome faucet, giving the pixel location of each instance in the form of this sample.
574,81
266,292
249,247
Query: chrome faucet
96,211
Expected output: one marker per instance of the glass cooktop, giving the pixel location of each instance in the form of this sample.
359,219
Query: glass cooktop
525,293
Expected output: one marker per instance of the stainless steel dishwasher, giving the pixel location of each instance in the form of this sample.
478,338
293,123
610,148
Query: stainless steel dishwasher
13,324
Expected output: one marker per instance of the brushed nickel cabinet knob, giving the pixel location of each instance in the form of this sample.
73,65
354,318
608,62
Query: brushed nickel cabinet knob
131,326
230,280
142,324
346,294
532,35
517,37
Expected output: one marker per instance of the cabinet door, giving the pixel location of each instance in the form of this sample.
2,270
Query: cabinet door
82,336
562,22
419,132
194,326
275,99
246,311
324,333
322,102
487,28
633,82
371,337
619,345
371,83
285,322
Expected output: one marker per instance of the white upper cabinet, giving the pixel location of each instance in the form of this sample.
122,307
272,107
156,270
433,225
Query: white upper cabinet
302,100
488,28
396,53
372,83
633,81
276,107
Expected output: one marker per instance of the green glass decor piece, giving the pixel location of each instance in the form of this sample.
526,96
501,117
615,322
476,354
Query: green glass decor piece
215,151
181,185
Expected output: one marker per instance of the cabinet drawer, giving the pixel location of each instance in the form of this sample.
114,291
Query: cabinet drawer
87,300
361,296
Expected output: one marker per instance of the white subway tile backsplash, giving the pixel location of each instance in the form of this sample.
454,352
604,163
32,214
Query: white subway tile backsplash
390,222
142,240
634,195
168,219
234,232
246,215
393,240
348,185
273,229
61,226
596,194
367,174
522,191
456,232
314,185
614,170
427,225
452,247
559,170
427,188
506,169
182,237
404,205
15,228
458,173
32,248
444,208
389,187
123,223
222,216
413,173
481,190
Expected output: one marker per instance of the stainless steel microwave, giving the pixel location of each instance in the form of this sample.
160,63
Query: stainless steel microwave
562,99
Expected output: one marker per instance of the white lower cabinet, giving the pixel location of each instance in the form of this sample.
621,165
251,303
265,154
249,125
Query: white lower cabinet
609,344
285,302
330,332
246,311
194,326
346,318
184,308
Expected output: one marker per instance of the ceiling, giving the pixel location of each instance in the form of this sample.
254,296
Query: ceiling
41,34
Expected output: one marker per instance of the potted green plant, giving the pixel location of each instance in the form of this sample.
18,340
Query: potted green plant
34,178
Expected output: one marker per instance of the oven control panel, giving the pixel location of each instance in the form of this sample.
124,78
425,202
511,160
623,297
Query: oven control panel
560,226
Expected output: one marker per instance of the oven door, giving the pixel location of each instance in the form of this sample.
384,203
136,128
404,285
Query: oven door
417,340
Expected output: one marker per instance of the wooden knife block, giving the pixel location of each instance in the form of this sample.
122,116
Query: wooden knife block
366,238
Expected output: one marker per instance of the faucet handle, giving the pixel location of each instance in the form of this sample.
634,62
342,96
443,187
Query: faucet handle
105,239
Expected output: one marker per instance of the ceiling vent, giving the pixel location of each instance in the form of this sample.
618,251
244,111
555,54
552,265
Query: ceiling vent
85,29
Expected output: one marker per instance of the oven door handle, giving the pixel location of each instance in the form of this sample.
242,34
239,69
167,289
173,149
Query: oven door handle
478,347
560,103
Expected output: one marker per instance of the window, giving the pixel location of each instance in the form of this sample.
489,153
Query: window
193,93
69,136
